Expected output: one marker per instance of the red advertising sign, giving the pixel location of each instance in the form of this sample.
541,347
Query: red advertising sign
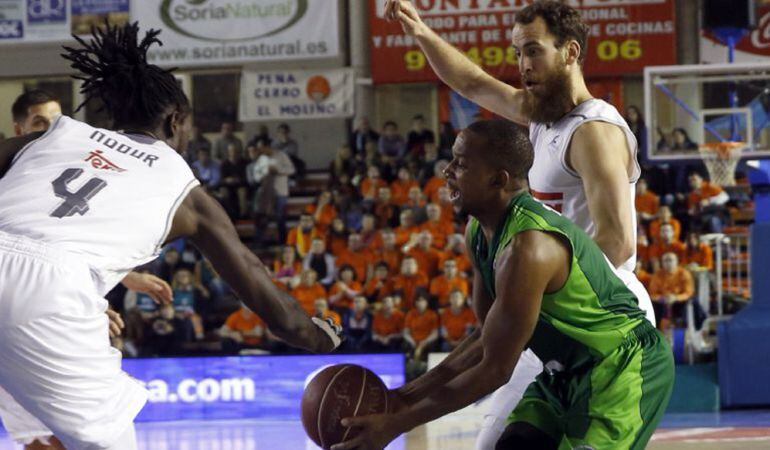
624,36
754,47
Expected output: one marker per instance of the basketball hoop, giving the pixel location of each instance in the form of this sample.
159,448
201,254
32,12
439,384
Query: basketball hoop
721,159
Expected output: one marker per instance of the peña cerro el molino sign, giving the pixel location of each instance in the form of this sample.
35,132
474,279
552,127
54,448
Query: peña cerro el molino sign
231,20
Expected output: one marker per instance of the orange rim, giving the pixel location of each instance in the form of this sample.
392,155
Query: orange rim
723,149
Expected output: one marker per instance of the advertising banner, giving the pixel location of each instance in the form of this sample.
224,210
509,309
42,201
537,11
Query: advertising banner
217,32
624,36
90,13
296,94
34,20
56,20
754,47
241,387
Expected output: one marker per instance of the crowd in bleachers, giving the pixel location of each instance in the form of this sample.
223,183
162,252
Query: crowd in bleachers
676,206
380,250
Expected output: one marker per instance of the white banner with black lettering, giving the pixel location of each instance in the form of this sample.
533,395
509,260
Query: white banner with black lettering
296,94
206,32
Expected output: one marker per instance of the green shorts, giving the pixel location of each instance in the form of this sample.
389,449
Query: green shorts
615,404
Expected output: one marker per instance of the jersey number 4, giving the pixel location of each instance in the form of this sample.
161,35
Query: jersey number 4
74,202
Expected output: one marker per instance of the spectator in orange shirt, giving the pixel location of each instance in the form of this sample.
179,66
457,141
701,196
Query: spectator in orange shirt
706,203
242,329
667,244
647,203
322,262
643,276
407,227
345,289
409,281
457,322
337,237
372,183
437,181
438,228
664,216
357,323
302,236
388,327
380,285
670,289
400,187
322,311
390,253
421,328
421,248
385,210
455,249
323,211
308,291
450,281
287,266
416,203
699,254
357,256
370,235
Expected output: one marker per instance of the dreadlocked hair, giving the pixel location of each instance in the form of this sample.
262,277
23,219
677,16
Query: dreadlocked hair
114,69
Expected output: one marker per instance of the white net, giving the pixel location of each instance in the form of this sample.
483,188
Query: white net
721,159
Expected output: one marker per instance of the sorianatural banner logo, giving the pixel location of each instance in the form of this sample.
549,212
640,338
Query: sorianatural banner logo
231,20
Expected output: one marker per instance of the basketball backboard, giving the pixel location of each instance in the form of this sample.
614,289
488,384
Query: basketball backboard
707,104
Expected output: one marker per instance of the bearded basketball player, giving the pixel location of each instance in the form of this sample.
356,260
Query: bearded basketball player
585,162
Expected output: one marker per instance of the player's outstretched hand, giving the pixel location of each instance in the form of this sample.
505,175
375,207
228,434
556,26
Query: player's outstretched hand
332,330
151,285
116,323
404,12
375,432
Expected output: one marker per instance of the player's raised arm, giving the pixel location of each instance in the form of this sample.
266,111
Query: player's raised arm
533,264
202,219
455,69
600,156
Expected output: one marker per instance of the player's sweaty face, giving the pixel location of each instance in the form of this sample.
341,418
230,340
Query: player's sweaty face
39,117
536,50
466,174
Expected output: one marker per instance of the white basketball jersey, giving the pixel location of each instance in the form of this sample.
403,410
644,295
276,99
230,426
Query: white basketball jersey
107,196
554,183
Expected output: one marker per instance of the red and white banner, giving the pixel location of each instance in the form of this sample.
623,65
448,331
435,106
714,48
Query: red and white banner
754,47
625,36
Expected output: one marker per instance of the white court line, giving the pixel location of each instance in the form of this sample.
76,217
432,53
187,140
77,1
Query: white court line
664,435
728,439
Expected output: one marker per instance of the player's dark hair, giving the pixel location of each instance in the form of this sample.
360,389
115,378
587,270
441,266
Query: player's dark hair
507,146
563,21
20,108
114,69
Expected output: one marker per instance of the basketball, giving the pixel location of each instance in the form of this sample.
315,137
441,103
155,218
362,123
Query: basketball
337,392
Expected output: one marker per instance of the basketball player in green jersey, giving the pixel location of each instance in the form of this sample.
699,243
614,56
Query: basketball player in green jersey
540,282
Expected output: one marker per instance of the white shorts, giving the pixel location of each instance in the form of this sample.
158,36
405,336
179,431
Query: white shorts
55,353
505,399
23,427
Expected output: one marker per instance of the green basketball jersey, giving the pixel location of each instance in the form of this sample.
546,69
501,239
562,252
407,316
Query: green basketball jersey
591,314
